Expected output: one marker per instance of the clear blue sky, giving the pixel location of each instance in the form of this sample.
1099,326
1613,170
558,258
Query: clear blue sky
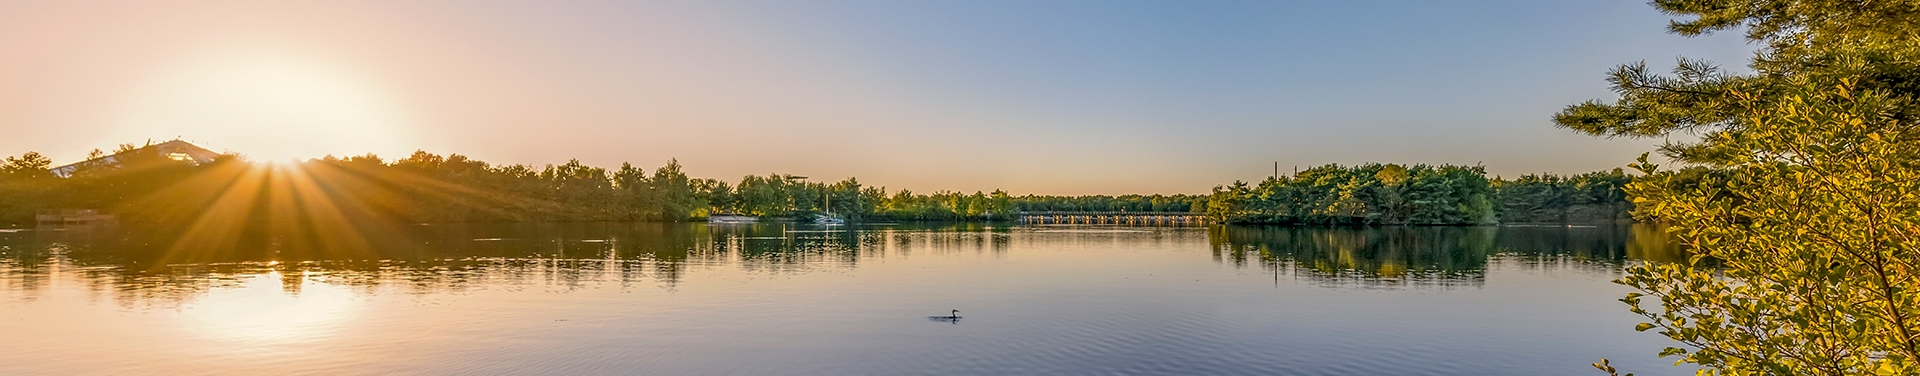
1048,97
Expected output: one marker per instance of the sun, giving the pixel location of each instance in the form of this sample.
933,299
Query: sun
271,107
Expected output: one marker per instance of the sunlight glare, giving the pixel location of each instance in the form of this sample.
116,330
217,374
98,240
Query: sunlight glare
274,107
264,309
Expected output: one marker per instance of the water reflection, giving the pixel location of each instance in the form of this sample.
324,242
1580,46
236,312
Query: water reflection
256,312
1428,255
139,266
798,299
431,259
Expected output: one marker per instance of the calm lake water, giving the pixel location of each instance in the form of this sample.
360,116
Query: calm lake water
798,299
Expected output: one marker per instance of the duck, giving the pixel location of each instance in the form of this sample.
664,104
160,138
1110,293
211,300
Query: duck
953,317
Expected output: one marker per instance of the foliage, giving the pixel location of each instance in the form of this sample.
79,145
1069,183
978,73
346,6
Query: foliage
777,195
1812,271
27,184
1803,221
945,206
1594,197
429,188
423,187
1870,41
426,188
23,180
1137,203
1361,195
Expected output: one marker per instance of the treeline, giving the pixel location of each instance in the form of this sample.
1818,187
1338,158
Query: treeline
426,187
1361,195
1584,198
1135,203
777,195
1390,194
146,187
27,183
576,192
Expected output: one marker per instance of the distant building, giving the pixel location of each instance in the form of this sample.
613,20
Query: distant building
175,150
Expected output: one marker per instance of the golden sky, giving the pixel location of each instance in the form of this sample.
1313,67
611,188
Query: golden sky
1054,98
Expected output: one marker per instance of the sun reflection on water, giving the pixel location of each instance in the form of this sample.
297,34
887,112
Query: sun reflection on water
272,308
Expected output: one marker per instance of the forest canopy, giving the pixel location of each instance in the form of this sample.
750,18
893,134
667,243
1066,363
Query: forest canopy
432,188
1389,194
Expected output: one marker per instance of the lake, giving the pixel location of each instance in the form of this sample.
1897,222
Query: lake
656,298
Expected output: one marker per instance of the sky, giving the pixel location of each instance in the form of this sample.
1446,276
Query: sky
1033,97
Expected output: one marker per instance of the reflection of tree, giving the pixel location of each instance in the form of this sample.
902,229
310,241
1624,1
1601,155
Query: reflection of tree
1373,255
139,266
1427,254
783,247
1599,244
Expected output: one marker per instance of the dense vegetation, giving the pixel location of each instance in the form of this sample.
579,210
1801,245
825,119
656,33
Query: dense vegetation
1420,195
426,187
27,185
1801,198
1592,197
1366,194
789,196
1131,203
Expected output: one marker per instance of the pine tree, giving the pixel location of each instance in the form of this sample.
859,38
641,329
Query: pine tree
1805,233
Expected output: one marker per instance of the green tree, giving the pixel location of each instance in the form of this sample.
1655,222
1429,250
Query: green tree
24,182
1361,195
27,166
1804,236
674,192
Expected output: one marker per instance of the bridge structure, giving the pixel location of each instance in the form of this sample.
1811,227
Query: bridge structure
1114,218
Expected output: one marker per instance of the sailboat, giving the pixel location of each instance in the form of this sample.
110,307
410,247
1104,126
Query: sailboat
828,219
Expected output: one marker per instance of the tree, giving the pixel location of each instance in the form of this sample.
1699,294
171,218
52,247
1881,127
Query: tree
26,166
1367,194
1801,38
23,187
1805,232
674,192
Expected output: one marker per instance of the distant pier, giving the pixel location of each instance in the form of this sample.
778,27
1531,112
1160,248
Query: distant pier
1114,218
62,218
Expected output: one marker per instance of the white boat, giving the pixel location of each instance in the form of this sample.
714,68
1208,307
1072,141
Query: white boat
828,219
